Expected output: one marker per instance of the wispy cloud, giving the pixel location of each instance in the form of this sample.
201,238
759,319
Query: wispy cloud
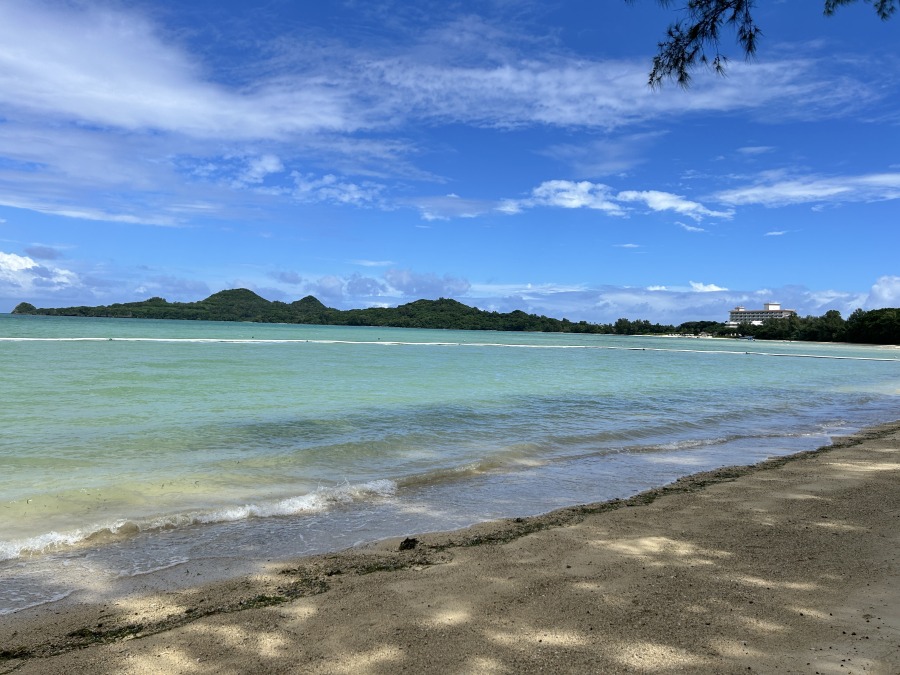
607,156
690,228
754,150
287,277
373,263
587,195
258,168
366,288
330,188
170,286
666,201
101,100
426,285
41,252
568,195
106,67
776,189
445,207
608,95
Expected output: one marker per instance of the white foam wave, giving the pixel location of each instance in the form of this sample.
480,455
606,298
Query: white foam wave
315,502
311,503
37,603
690,444
48,541
388,343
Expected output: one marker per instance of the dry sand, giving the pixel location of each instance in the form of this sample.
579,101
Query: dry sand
790,566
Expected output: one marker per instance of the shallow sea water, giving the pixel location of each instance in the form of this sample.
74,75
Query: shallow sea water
133,446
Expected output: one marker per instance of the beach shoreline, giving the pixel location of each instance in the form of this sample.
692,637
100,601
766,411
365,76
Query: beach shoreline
791,563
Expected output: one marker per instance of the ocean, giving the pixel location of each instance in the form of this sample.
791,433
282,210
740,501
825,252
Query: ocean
135,449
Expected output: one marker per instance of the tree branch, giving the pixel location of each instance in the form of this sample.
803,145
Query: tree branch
695,39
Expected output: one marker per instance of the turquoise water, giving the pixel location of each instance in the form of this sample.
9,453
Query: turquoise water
128,446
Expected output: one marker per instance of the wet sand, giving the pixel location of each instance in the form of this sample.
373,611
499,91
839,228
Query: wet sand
789,566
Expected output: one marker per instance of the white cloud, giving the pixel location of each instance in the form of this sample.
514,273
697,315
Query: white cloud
79,172
107,111
585,194
568,195
42,252
330,188
772,190
120,70
451,206
425,285
101,66
287,277
359,286
22,276
885,292
690,228
612,155
12,264
666,201
45,204
536,290
756,149
173,288
512,91
258,168
572,195
705,288
775,233
372,263
329,289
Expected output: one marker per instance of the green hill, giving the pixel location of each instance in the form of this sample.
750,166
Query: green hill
244,305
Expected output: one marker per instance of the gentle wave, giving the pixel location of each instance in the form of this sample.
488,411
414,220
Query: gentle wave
43,600
518,457
390,343
315,502
527,456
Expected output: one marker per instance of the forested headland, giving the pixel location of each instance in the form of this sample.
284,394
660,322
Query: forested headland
877,326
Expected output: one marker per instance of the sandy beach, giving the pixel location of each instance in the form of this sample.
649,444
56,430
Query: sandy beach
790,566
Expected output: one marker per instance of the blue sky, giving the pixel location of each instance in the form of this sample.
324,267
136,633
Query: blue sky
506,154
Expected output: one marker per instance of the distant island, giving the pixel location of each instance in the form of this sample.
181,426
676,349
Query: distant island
877,326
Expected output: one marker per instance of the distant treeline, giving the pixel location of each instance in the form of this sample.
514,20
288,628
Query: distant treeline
879,326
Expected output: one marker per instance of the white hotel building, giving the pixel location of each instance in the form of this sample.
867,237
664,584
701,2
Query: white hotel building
772,310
